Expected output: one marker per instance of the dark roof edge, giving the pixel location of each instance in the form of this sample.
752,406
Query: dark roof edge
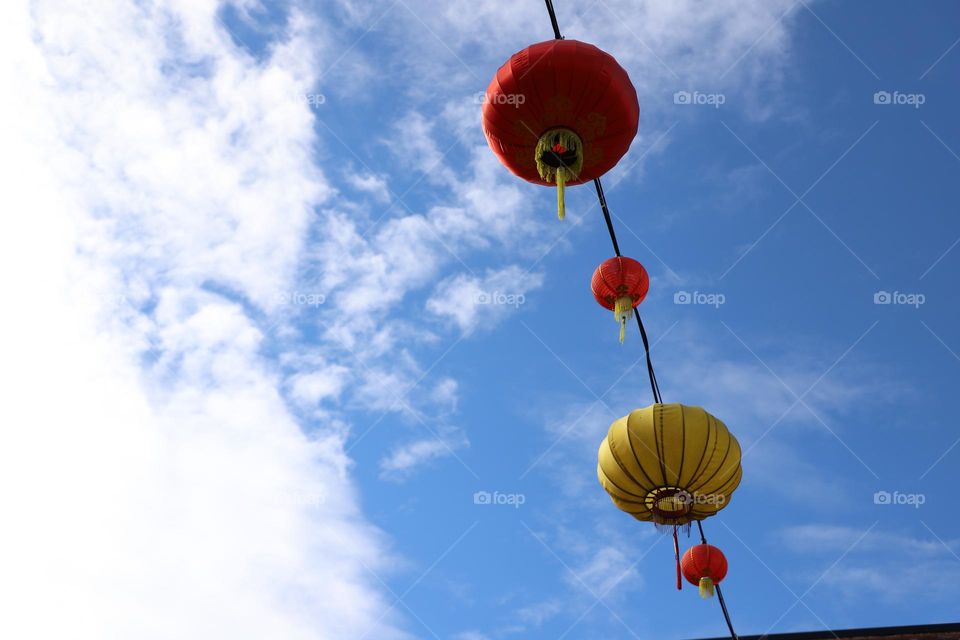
854,633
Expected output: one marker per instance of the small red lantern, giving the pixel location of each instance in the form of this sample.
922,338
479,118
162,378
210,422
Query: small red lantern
704,565
620,284
562,112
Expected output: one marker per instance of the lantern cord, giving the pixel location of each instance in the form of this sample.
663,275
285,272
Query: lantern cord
643,334
703,538
606,215
553,20
723,603
654,386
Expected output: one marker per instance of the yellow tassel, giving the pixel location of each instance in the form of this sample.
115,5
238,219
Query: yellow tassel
706,588
621,310
561,182
559,175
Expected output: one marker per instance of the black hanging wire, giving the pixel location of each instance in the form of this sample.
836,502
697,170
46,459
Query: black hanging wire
723,603
643,333
553,20
654,386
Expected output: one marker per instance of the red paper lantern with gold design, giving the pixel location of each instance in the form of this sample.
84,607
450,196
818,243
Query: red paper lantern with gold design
705,566
620,284
560,112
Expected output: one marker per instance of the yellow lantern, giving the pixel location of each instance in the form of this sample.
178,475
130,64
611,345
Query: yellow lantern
669,464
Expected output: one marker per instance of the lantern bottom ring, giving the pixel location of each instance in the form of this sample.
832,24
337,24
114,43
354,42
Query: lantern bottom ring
669,505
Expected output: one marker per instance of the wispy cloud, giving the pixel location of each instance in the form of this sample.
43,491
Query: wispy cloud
608,568
887,565
473,302
404,460
827,538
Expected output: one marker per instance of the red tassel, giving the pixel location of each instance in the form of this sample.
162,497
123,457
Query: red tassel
676,553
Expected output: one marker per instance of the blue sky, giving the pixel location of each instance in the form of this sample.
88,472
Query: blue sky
799,304
276,328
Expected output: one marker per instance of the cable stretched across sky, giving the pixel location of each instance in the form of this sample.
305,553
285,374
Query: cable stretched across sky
669,464
654,386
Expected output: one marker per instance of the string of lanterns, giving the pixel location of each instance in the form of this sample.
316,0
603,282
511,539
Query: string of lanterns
669,464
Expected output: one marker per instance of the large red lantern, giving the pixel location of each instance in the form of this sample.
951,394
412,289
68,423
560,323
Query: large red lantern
704,565
620,284
561,112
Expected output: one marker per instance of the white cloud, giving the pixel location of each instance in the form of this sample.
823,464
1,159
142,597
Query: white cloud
402,462
156,483
537,614
891,583
312,387
830,539
876,564
472,301
608,568
445,394
608,572
735,47
375,185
